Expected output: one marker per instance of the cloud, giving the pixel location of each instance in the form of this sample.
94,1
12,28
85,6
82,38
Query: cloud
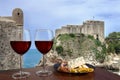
53,14
56,13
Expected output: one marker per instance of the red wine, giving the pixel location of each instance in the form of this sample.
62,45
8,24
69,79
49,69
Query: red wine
20,47
44,46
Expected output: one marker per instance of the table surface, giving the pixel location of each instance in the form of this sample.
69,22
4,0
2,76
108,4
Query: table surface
98,74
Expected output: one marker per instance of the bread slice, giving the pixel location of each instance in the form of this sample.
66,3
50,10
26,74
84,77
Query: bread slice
76,62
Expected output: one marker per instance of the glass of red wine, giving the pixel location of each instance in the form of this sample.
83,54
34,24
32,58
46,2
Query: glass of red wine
21,43
44,42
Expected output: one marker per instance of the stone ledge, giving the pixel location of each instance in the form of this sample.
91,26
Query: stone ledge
3,19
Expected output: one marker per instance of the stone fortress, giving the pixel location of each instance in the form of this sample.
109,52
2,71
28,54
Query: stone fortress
89,27
9,26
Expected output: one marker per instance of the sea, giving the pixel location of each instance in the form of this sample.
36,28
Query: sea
31,58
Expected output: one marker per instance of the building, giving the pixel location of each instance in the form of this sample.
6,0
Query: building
89,27
9,26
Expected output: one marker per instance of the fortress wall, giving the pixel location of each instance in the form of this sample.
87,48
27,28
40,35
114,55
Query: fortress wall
90,27
9,27
8,58
78,28
73,29
7,17
70,28
65,30
85,29
101,31
57,32
94,28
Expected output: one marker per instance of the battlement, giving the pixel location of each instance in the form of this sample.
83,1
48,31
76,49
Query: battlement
6,18
93,22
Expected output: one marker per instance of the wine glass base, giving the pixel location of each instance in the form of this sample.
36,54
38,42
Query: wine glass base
20,75
43,73
119,73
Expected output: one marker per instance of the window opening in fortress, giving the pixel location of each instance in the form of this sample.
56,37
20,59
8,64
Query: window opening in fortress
18,13
97,37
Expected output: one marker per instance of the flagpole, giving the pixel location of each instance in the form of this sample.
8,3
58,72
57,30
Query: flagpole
93,18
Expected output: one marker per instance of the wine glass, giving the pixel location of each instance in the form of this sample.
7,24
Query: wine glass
20,43
44,42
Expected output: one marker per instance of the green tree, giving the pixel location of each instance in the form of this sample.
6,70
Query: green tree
113,41
72,35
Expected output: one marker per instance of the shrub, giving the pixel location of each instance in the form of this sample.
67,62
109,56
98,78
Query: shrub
69,52
117,48
72,35
100,56
97,42
64,37
110,48
90,37
113,42
59,49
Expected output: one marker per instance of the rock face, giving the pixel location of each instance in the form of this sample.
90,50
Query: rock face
71,46
112,62
51,58
8,30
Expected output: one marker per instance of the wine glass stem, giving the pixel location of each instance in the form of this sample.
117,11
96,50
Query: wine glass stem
20,65
43,63
119,69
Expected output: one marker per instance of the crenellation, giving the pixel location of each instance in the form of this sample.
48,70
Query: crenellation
7,17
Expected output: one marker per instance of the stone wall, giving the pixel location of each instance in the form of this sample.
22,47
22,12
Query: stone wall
8,58
9,26
90,27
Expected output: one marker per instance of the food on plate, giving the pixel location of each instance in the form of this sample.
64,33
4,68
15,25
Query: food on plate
81,69
75,66
76,62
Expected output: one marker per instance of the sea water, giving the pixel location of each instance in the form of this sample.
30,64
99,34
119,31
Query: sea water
31,58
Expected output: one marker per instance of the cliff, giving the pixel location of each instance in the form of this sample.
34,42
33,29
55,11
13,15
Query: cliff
71,46
76,45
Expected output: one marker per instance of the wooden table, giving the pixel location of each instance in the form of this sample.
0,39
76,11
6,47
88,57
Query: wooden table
99,74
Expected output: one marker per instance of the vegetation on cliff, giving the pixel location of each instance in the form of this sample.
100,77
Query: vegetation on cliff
71,46
75,45
113,42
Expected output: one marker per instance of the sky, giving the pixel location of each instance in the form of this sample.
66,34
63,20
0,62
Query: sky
52,14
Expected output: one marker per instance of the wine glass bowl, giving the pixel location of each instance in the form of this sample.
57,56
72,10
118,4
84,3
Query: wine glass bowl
44,42
21,46
44,46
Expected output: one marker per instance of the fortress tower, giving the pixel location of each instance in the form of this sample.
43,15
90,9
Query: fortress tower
9,26
17,16
94,28
89,27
